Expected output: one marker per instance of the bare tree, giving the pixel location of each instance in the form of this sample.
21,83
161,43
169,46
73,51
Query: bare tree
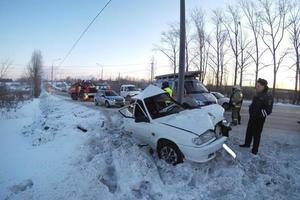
294,32
170,45
4,67
232,24
202,49
217,55
34,70
273,17
251,12
244,54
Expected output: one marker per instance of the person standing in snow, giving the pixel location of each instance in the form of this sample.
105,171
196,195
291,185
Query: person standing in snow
259,109
236,100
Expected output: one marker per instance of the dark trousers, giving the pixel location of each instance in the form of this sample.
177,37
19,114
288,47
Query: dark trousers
254,129
235,115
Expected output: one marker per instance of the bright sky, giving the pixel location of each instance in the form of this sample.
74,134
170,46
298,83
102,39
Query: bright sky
121,39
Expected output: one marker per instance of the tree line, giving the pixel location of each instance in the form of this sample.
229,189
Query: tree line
247,36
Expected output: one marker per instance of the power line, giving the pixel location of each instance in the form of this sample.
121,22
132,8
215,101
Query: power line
82,34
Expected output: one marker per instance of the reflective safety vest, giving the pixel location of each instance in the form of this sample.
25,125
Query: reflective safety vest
169,91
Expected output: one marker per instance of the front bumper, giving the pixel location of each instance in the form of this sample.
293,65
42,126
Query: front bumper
202,153
116,103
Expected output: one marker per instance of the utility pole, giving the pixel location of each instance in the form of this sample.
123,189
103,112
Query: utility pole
57,59
101,70
152,70
52,74
181,52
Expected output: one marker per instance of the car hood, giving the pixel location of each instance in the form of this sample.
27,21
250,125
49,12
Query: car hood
196,121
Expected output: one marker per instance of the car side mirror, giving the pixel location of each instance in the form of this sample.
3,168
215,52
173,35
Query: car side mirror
141,118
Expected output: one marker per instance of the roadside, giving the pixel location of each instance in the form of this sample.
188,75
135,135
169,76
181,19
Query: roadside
63,162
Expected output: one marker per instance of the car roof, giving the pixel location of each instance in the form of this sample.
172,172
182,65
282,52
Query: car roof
127,85
149,91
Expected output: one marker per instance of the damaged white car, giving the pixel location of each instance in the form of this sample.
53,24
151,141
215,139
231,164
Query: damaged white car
176,133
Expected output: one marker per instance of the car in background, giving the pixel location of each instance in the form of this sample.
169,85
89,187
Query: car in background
222,100
129,91
108,98
83,90
102,86
174,132
195,93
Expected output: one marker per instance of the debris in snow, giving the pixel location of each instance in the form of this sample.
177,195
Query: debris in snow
82,129
24,185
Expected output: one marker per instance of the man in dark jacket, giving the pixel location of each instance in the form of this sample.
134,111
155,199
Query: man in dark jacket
259,109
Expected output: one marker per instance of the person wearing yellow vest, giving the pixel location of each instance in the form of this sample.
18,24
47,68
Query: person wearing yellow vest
166,88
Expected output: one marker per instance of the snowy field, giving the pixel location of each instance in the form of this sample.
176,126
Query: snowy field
56,149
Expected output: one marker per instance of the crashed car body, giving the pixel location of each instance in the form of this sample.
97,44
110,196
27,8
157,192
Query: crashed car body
176,133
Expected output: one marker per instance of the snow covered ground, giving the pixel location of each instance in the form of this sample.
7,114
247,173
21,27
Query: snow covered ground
56,149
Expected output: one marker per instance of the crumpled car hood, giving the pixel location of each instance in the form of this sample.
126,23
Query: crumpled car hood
197,120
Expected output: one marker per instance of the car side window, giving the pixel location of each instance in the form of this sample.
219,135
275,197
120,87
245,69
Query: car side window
139,110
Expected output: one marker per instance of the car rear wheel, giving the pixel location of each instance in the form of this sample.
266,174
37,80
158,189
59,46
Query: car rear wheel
169,152
107,104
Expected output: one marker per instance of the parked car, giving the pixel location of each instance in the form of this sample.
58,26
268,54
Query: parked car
222,100
102,86
108,98
84,90
176,133
129,91
195,93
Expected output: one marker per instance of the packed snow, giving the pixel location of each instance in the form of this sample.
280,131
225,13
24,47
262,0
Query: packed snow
52,148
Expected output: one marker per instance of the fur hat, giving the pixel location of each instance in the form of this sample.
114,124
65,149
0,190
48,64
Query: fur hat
262,82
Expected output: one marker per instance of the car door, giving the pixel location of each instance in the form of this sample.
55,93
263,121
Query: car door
141,128
101,97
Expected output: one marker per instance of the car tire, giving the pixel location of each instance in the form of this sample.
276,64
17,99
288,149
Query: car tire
96,102
74,96
107,104
169,152
225,106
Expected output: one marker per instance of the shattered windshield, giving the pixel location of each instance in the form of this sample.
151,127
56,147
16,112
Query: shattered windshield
162,105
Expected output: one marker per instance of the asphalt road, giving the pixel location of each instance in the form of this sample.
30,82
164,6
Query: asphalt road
283,117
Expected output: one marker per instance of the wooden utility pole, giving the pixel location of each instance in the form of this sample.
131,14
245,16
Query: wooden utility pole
181,53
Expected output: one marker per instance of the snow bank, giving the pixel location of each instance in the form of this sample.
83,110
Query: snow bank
63,162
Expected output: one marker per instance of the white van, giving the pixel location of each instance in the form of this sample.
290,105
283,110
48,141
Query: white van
129,91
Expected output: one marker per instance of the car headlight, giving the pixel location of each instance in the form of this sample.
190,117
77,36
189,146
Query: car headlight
205,137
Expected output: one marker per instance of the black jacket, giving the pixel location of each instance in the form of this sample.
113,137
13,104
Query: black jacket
261,106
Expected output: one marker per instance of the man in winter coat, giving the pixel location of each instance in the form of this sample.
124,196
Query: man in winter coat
236,100
259,109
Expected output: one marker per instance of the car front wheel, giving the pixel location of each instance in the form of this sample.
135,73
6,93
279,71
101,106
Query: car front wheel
169,152
96,102
107,104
